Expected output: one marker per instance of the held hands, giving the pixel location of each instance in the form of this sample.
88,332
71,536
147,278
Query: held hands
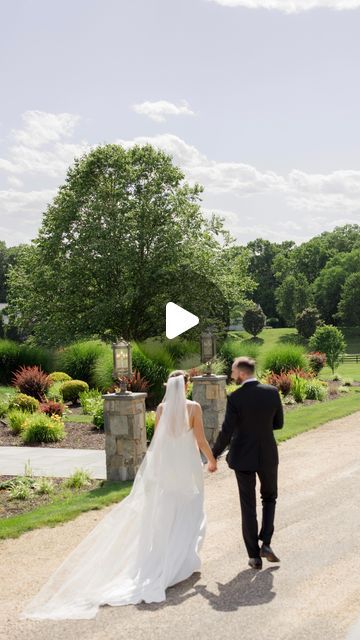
212,465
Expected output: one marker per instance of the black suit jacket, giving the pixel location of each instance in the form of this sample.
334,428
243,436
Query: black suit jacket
252,413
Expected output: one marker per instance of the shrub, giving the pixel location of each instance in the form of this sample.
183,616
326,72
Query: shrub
347,382
4,407
315,390
78,359
330,340
42,428
52,408
343,389
298,388
80,478
317,361
59,376
254,321
89,400
150,424
273,322
189,391
232,349
281,381
44,486
17,419
285,358
155,370
71,390
32,381
20,491
14,355
98,416
102,370
54,392
307,375
218,367
136,383
307,321
24,402
180,349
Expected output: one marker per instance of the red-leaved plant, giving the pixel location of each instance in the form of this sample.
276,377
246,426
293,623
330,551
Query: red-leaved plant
33,381
52,408
281,381
317,361
134,383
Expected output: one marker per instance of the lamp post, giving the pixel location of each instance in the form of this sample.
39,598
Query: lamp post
208,349
122,362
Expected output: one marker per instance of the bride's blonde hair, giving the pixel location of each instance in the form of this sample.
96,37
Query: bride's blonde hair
179,372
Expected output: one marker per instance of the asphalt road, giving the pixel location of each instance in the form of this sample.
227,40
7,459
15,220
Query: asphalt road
314,593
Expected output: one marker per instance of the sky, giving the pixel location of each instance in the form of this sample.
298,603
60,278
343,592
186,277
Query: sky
257,100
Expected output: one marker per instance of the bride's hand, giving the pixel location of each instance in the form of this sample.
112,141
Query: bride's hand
212,466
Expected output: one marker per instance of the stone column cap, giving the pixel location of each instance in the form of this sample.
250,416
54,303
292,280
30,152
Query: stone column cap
126,396
211,378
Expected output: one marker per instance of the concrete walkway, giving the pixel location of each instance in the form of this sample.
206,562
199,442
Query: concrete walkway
314,594
57,463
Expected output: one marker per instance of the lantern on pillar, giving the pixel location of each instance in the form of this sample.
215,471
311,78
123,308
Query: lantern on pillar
208,349
122,362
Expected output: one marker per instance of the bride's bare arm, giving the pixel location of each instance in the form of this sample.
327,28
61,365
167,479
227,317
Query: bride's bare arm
200,436
157,415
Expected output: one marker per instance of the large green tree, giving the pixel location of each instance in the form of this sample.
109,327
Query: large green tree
124,235
293,296
349,305
328,286
262,256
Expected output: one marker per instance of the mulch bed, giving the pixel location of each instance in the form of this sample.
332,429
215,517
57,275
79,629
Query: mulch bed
13,507
78,435
81,435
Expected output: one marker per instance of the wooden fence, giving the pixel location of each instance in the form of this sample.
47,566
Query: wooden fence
351,357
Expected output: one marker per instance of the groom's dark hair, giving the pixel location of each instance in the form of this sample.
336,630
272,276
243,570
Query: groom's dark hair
245,364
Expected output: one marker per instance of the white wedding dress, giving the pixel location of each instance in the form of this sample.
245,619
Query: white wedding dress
149,541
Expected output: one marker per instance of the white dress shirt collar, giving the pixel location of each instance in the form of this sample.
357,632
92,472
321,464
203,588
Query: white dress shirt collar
249,380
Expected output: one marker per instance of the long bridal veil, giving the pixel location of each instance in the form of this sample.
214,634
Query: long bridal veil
148,541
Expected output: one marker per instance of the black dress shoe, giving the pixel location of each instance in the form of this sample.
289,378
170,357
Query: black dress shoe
267,552
255,563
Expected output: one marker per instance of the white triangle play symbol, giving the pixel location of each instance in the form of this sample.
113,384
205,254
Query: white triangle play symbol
178,320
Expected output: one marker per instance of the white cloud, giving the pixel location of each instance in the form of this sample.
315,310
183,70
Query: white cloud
217,177
291,6
159,110
15,182
41,128
12,202
40,146
336,191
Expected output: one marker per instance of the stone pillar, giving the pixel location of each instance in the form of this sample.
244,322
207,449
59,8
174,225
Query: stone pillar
125,434
210,393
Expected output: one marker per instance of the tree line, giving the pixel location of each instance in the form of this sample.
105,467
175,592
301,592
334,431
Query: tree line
126,233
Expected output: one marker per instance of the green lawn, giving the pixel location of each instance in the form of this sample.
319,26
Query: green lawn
63,509
78,417
270,338
304,418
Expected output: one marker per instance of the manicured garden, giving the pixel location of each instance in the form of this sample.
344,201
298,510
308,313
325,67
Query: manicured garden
54,399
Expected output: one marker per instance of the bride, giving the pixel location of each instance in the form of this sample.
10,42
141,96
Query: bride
150,540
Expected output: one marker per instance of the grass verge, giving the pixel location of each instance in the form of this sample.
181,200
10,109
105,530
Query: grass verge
309,417
62,509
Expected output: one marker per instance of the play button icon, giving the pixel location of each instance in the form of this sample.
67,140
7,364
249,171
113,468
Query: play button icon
178,320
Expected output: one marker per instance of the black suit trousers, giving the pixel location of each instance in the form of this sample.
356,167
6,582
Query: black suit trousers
247,491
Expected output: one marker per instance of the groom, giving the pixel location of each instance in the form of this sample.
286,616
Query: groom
252,412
